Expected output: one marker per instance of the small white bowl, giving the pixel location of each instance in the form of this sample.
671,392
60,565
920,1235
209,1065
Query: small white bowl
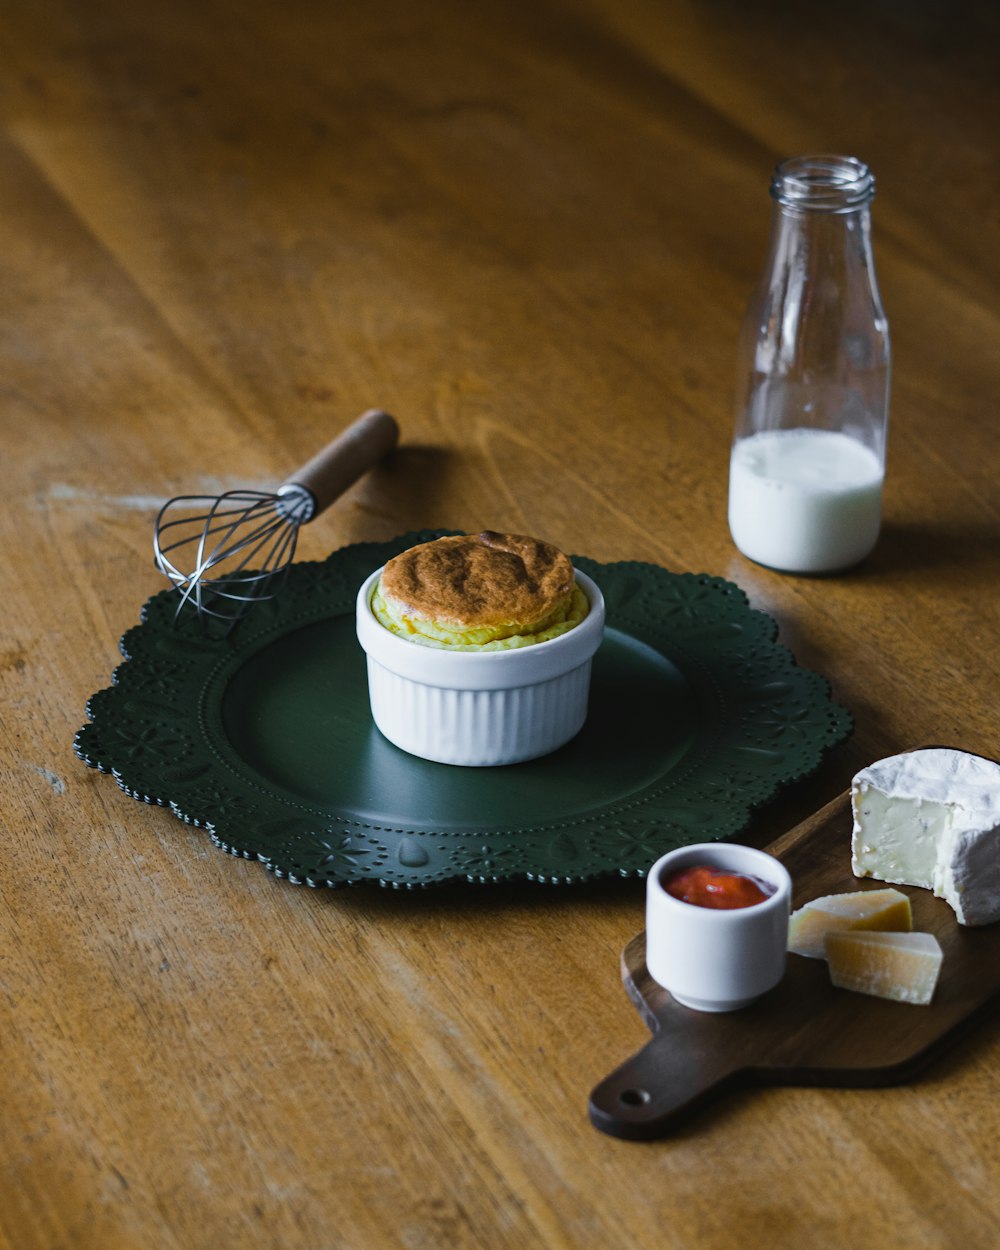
479,708
717,960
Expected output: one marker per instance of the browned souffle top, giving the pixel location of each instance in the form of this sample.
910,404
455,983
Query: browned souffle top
484,579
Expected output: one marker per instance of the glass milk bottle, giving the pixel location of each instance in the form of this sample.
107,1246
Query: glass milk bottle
808,456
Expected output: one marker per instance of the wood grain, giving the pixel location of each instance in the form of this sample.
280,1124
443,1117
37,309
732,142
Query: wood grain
528,231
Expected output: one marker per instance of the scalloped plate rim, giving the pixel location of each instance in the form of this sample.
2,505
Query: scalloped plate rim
839,728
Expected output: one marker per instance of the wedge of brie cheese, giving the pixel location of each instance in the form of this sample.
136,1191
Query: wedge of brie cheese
932,818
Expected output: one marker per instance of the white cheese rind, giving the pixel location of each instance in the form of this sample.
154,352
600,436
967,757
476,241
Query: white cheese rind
932,819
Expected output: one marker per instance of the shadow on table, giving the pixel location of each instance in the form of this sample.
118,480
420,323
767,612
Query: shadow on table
905,547
417,475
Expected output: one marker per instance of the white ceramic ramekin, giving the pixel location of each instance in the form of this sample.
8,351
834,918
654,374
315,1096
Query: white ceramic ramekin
717,960
479,708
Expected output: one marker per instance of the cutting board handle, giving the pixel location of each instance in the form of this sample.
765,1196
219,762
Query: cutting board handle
658,1085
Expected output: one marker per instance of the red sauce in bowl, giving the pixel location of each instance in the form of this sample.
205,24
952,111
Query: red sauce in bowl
705,886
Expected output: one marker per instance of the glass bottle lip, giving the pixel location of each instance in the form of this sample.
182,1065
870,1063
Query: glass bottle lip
824,184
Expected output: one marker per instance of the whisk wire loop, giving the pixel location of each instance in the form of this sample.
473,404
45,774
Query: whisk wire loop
243,540
238,529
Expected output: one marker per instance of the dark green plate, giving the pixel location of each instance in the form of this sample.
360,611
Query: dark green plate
263,736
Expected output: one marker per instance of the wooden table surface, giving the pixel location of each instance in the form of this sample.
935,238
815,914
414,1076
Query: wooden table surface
529,231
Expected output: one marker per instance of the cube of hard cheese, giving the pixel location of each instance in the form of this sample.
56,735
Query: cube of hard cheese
863,909
900,966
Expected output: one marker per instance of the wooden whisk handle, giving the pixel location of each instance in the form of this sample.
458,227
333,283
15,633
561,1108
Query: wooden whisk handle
330,472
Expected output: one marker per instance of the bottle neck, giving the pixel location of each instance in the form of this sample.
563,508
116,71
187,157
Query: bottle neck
821,229
823,184
815,344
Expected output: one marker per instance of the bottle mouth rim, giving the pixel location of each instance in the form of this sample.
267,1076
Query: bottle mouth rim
824,183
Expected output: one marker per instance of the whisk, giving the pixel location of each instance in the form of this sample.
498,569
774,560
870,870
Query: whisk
236,545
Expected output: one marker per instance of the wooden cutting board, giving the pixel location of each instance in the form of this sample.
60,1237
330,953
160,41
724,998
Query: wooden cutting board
805,1031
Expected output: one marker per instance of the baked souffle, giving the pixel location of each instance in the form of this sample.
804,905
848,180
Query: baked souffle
482,592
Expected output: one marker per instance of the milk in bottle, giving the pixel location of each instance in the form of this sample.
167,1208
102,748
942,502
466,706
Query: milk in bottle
808,455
